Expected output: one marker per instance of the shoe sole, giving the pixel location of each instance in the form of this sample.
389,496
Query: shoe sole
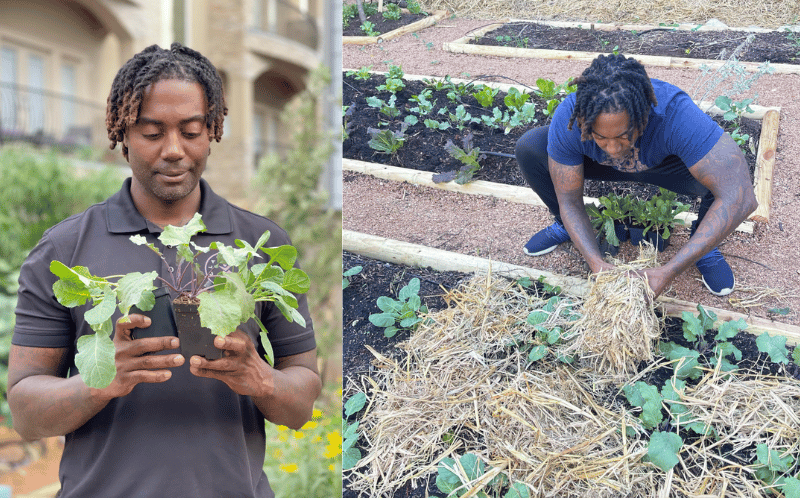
540,252
721,293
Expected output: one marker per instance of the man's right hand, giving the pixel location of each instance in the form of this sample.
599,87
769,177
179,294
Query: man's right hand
134,365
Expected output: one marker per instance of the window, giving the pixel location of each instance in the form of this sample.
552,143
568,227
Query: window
68,90
36,79
8,79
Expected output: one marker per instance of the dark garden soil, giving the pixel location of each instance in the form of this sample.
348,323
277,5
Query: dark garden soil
384,279
382,25
775,47
424,148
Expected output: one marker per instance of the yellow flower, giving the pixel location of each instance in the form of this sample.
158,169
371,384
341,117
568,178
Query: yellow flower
309,426
282,428
331,467
334,438
332,450
316,413
298,435
291,467
278,453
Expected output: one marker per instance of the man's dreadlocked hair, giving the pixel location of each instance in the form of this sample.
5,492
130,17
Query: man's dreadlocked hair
612,84
154,64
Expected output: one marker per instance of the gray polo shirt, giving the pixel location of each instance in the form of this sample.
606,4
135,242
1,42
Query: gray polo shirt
189,436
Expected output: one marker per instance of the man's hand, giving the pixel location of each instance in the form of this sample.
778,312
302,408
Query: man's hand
134,366
241,368
659,278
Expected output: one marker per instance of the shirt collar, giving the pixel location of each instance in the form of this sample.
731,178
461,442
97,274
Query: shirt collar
123,217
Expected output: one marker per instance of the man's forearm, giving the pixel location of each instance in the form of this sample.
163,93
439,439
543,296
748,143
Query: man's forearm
576,222
44,405
291,402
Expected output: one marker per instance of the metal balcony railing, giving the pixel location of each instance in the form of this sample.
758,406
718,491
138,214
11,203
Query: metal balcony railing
48,118
280,18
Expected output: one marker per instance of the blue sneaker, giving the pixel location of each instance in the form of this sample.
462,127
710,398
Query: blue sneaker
546,240
716,274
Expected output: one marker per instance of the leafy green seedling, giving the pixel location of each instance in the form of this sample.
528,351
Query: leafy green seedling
348,274
733,110
649,399
514,99
387,108
663,448
469,156
355,404
362,73
770,465
368,27
679,412
452,477
386,141
391,11
225,286
485,96
403,312
775,347
393,85
350,454
687,360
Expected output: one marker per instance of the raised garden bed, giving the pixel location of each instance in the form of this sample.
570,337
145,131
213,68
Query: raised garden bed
709,466
390,29
423,147
683,46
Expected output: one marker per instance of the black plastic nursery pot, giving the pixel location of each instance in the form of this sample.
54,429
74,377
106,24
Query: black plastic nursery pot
162,321
196,340
638,235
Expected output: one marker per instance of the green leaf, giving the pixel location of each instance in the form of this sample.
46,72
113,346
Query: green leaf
537,317
220,312
269,353
288,307
649,399
772,459
391,331
782,311
382,320
796,355
176,236
238,290
71,293
351,430
389,305
687,366
663,448
729,329
473,466
284,255
139,239
136,289
296,281
791,487
412,288
102,310
725,348
266,272
350,458
446,480
95,357
518,490
692,327
537,353
234,257
775,347
355,404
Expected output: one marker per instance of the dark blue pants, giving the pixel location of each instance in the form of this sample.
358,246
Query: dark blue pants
672,173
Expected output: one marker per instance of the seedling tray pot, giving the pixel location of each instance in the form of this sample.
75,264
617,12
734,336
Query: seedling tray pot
162,320
637,235
196,340
657,241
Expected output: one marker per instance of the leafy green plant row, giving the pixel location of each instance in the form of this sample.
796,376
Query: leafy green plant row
475,106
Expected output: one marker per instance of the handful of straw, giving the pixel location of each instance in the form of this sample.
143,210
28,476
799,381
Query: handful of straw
618,326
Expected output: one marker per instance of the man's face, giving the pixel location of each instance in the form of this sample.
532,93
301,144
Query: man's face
610,132
168,145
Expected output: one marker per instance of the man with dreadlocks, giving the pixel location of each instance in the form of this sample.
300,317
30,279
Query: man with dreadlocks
166,426
634,128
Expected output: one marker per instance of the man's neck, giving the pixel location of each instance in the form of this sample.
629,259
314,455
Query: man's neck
163,213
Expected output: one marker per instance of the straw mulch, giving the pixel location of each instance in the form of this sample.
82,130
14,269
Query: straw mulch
763,13
619,326
547,424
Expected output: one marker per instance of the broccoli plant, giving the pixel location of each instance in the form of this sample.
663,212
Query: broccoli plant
402,313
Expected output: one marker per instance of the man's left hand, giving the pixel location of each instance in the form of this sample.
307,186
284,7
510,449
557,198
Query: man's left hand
241,367
658,278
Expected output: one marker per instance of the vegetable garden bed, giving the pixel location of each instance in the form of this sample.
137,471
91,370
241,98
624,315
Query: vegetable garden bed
453,114
388,30
457,391
681,46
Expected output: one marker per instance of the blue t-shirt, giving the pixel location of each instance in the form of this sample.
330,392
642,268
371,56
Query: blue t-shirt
676,126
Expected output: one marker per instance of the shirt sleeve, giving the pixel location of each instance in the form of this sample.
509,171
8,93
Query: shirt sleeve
563,145
690,133
40,320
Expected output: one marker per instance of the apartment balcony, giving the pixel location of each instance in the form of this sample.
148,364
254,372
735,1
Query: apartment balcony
282,19
46,118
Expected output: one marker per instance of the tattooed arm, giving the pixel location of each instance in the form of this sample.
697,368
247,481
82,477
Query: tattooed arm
724,172
44,402
568,183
